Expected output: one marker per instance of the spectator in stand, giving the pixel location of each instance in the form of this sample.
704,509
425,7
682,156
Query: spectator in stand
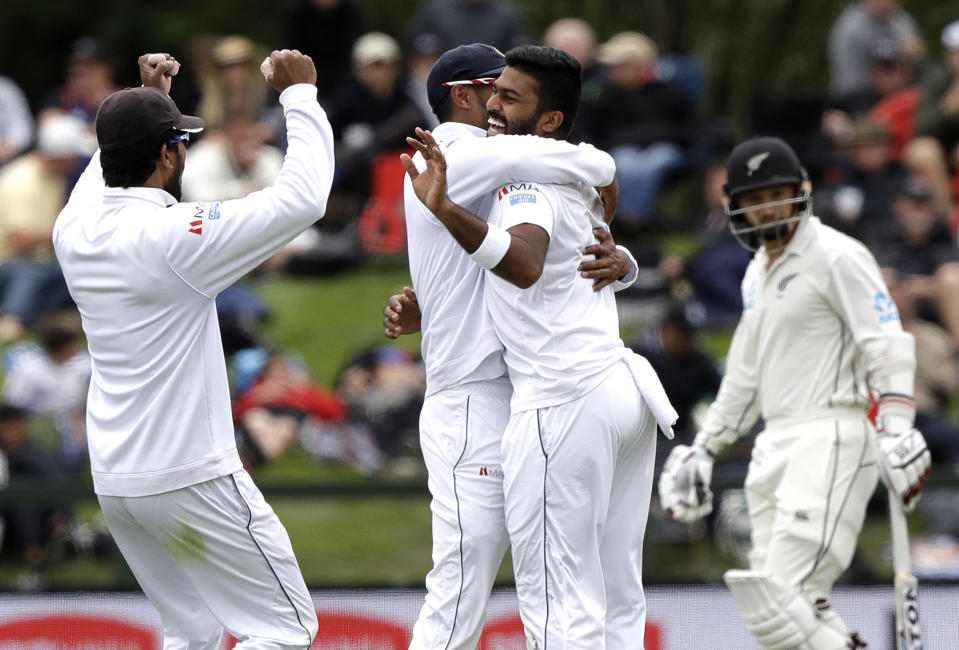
16,122
324,30
646,124
89,80
51,380
231,84
33,189
29,527
689,375
716,269
231,162
891,99
936,153
924,254
937,372
373,114
424,52
856,193
461,22
854,35
575,36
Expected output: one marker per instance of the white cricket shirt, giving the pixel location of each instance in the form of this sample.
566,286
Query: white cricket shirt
144,271
818,332
561,338
459,342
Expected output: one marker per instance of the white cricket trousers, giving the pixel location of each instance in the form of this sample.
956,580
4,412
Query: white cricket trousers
578,483
807,489
460,434
214,556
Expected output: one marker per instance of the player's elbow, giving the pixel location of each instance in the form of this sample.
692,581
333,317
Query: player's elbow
522,273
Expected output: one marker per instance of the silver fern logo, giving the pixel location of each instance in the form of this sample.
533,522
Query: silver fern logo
753,163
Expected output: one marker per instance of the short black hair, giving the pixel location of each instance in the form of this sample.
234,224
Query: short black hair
559,76
132,165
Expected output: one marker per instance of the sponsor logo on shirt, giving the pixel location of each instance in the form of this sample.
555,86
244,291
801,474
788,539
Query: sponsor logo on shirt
885,309
522,198
494,472
196,225
750,300
214,212
516,187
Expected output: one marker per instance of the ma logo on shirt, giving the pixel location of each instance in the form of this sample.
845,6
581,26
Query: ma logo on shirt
885,308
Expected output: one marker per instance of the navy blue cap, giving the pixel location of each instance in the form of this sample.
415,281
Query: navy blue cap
467,64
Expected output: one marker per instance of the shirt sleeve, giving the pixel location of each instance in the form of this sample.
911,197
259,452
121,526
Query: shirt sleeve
857,292
88,191
736,407
477,166
520,203
212,245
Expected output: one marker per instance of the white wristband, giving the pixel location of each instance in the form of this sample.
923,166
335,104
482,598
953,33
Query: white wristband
493,249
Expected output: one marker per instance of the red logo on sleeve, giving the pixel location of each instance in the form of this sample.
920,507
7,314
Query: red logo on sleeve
196,226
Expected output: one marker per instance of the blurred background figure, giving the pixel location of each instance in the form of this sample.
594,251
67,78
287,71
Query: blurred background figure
89,80
461,22
50,381
577,37
232,161
16,121
372,117
33,189
325,30
924,255
856,193
854,35
645,123
231,83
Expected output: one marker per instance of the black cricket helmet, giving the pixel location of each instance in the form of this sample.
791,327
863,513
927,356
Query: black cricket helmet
755,164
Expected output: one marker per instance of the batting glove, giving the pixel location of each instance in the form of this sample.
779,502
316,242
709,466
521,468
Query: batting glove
904,464
684,483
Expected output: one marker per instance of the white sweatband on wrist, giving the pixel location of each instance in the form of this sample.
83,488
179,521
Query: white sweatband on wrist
493,249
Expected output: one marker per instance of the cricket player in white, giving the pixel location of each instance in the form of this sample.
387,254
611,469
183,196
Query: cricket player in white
817,336
578,449
467,391
144,270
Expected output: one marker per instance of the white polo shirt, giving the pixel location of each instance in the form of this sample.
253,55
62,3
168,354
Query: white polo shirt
459,341
561,337
818,332
144,271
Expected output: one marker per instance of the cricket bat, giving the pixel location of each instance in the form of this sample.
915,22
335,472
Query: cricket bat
908,632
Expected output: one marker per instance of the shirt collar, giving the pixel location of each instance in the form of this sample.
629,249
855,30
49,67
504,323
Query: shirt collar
153,195
454,129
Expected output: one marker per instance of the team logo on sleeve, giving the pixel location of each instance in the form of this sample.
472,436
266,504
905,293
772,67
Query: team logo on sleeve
885,309
749,300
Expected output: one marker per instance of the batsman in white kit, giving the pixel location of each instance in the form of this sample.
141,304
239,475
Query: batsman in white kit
817,337
467,390
144,270
578,449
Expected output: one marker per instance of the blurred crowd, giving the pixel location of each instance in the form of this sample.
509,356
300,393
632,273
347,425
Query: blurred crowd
881,148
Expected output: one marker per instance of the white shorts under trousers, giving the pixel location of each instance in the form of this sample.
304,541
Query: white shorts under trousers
460,435
578,482
214,556
807,489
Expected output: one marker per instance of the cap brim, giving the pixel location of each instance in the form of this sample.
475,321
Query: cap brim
495,72
190,124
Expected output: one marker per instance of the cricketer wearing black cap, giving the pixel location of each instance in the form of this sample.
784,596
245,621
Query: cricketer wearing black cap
133,125
468,66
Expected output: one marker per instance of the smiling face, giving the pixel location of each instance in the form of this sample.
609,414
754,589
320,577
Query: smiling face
514,105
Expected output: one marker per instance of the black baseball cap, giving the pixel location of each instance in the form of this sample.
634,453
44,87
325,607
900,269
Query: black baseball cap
133,116
467,64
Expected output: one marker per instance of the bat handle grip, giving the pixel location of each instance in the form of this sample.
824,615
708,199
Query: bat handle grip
901,560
